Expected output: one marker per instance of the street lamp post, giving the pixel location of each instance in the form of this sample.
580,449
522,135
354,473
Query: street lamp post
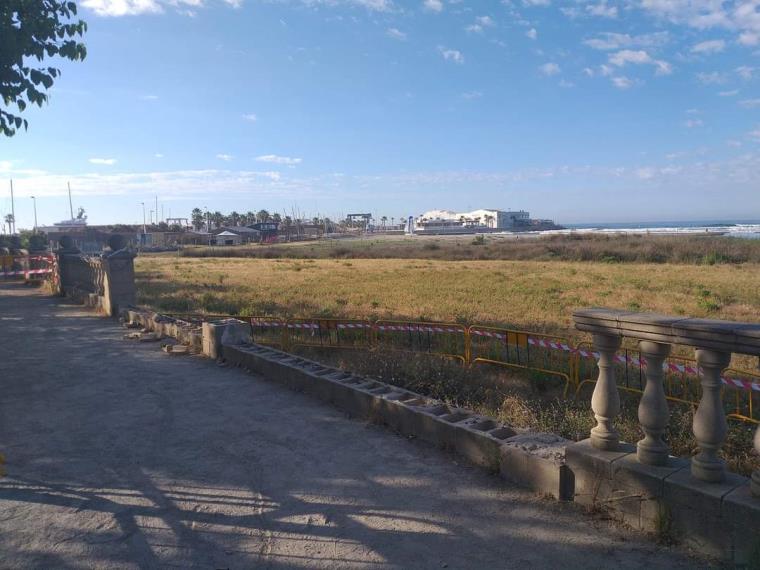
34,201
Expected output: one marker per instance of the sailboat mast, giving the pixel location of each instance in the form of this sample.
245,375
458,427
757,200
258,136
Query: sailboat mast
71,206
13,210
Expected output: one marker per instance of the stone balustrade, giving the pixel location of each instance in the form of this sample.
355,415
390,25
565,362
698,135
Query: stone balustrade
714,342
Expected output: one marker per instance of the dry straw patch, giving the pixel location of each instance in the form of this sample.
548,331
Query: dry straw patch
532,295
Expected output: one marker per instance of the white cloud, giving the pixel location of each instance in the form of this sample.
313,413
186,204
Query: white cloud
622,82
731,93
750,103
103,161
749,38
481,22
158,155
532,33
745,72
639,57
149,97
395,33
275,159
469,95
451,54
116,8
536,2
602,9
433,5
710,78
691,123
549,69
609,41
754,135
738,16
709,46
122,7
225,157
250,117
566,84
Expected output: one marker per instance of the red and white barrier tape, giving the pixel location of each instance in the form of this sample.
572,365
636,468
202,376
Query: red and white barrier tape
420,328
26,272
625,359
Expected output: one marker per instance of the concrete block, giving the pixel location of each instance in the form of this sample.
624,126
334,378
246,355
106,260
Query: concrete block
635,482
695,510
537,461
741,511
592,469
475,444
212,339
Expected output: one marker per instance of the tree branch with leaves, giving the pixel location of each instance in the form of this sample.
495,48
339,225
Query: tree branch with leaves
31,31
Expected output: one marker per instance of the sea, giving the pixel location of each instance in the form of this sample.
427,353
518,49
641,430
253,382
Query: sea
749,229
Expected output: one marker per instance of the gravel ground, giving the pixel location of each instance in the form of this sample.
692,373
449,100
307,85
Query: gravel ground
120,456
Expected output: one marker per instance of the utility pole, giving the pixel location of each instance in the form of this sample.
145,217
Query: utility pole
156,208
13,210
144,230
34,201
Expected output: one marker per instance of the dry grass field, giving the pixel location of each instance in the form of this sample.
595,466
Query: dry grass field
532,295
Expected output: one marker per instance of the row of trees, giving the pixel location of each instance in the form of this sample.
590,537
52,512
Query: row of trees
217,219
199,218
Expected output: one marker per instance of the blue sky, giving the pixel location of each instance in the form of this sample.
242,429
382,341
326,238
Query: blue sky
578,110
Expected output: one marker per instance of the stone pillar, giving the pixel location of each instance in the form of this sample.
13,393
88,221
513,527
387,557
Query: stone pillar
755,483
653,407
710,425
606,400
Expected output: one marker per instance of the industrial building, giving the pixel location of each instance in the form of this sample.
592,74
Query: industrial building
483,220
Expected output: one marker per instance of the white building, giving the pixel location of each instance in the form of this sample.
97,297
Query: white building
447,221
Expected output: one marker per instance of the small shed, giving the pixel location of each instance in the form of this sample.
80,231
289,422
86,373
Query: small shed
228,238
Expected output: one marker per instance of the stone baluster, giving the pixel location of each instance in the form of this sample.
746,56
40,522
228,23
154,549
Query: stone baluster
710,424
606,400
653,407
755,483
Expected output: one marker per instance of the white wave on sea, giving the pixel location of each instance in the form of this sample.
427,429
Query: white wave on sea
746,230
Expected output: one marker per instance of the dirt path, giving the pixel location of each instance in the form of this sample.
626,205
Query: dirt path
120,456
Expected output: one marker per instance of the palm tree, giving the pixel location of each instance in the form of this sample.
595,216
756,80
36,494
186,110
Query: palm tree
262,216
250,217
218,218
276,217
384,219
234,218
9,220
197,218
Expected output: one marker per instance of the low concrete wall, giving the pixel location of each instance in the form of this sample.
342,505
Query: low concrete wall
533,460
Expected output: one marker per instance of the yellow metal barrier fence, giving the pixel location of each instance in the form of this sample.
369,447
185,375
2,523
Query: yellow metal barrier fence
554,356
550,355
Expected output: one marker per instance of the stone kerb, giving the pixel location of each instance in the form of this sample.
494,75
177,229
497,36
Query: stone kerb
698,501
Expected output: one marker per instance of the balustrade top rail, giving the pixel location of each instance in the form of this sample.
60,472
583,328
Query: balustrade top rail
725,336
